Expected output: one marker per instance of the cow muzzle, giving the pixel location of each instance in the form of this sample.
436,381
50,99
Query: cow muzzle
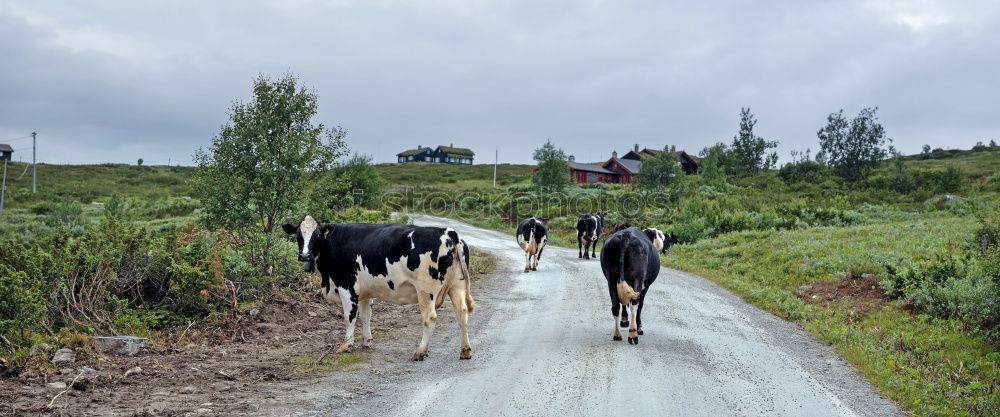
305,257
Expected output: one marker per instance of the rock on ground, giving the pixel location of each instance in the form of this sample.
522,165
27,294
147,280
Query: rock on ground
64,355
118,345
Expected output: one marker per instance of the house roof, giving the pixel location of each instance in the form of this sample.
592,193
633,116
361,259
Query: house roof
629,164
5,148
650,153
456,151
412,151
589,168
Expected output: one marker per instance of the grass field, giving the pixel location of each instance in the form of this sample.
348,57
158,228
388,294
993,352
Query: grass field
428,173
932,366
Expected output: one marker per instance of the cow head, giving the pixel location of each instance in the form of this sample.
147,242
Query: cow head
308,233
622,226
669,239
600,219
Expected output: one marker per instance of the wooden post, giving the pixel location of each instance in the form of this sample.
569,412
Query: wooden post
3,186
34,163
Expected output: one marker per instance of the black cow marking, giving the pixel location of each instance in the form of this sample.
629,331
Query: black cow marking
391,285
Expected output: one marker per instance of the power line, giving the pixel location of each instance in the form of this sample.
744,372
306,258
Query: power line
16,139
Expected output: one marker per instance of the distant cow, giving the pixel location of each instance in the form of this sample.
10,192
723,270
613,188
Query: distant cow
630,265
588,232
621,226
660,240
531,236
398,263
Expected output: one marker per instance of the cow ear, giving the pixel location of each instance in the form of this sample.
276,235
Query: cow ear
288,228
326,229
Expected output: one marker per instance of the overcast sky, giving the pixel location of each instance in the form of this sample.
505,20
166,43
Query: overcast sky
104,81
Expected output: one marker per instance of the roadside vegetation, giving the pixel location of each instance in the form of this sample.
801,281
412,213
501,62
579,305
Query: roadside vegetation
115,249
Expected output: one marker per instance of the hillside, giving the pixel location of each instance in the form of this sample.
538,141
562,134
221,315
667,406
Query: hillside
427,173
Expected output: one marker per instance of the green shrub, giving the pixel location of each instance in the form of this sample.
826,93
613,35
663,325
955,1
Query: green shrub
950,180
21,303
801,171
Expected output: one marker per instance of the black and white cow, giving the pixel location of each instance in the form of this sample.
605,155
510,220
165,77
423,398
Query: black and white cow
398,263
661,241
621,226
630,264
531,237
588,232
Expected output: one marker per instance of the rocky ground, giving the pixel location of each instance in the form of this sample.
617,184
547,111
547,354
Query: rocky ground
223,367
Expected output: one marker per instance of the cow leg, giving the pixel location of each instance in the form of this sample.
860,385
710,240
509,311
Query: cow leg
624,322
633,335
527,262
429,318
581,247
365,315
537,257
350,305
638,313
593,247
614,312
462,315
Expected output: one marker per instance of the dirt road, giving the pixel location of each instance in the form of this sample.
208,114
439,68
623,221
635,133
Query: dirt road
543,346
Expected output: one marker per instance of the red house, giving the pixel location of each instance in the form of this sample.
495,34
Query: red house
621,170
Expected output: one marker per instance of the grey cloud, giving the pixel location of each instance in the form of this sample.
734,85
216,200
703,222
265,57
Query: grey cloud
116,81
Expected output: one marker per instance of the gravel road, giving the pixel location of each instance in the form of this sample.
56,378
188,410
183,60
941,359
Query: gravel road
542,343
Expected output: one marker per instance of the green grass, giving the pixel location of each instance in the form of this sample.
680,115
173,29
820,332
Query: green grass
930,366
88,183
975,164
429,173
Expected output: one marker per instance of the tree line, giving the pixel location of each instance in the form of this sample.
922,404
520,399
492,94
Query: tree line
851,148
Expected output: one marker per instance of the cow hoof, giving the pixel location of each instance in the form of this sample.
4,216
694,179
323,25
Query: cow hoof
344,348
617,337
534,268
640,332
527,269
581,256
633,340
624,323
367,344
419,356
466,353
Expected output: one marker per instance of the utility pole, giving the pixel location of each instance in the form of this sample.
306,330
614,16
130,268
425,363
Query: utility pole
496,160
34,165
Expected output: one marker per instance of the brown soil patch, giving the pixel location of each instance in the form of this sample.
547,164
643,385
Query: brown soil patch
228,365
857,294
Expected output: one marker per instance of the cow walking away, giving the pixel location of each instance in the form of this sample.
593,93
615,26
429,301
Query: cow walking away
397,263
531,237
588,232
630,265
661,241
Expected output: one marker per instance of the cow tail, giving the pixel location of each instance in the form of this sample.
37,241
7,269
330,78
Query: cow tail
625,292
470,304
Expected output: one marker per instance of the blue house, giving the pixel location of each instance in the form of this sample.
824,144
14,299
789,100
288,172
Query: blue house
443,154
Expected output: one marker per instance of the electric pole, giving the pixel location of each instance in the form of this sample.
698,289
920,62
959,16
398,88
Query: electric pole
34,165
